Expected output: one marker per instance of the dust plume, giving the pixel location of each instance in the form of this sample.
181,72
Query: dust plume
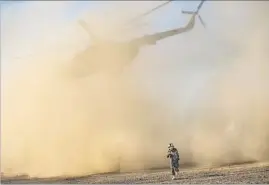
206,91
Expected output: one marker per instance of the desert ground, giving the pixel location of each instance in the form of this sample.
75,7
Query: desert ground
253,173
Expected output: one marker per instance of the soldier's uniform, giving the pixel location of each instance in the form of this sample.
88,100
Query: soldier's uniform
174,159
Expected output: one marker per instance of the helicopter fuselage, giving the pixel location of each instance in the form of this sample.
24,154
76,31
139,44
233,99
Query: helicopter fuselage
105,56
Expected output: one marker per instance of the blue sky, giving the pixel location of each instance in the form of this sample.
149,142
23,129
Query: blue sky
17,13
75,8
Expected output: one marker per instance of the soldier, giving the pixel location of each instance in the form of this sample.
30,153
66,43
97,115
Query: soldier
174,159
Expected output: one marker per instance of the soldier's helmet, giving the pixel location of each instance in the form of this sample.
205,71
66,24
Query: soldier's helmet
170,146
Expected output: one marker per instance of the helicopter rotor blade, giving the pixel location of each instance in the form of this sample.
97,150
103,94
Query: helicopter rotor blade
195,13
201,20
84,25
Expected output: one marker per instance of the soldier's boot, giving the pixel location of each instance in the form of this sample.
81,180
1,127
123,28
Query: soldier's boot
173,177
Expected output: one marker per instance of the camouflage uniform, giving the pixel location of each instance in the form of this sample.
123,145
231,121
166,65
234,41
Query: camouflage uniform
174,159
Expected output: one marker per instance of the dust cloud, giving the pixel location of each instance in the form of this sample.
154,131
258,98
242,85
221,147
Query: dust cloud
206,91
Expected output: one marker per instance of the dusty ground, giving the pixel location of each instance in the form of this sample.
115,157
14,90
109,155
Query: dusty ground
257,173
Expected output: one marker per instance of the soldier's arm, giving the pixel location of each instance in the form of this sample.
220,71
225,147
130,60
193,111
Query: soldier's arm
178,155
168,154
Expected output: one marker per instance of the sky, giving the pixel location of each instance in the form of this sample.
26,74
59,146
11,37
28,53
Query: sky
21,30
168,16
76,7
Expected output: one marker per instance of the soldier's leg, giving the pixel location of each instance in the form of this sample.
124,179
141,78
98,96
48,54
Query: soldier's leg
173,171
176,170
176,166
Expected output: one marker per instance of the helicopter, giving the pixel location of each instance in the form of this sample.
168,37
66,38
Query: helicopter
112,56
